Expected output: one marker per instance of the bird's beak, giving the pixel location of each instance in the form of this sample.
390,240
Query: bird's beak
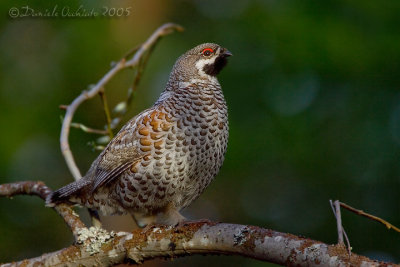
227,53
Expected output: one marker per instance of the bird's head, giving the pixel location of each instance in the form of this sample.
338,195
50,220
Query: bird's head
204,61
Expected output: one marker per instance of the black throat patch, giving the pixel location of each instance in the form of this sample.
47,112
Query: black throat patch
217,66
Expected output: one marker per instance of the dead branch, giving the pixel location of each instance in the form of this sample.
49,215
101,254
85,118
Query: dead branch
85,95
369,216
41,190
200,238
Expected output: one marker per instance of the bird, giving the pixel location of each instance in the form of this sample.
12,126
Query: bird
163,158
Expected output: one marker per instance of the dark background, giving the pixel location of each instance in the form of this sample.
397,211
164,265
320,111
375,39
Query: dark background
314,112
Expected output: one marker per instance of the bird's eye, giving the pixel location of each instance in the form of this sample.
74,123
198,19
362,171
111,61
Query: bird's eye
207,52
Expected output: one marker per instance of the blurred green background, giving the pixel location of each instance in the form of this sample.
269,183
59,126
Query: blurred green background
314,112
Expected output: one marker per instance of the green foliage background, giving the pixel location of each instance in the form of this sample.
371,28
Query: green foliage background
314,106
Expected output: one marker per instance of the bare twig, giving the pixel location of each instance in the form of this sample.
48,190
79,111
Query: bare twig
205,239
25,188
141,66
338,215
336,211
103,97
63,107
372,217
122,64
88,129
132,51
40,189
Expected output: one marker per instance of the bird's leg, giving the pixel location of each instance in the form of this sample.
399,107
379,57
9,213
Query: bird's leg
168,215
172,217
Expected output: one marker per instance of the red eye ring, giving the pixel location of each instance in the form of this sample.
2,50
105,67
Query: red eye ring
207,52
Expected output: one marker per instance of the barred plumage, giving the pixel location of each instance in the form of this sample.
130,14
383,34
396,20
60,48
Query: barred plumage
164,157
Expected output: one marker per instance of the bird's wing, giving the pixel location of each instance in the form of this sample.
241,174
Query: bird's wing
116,158
119,155
132,143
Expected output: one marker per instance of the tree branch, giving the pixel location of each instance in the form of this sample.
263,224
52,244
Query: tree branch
205,239
96,246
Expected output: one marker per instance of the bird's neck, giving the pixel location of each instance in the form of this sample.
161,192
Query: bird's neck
183,96
190,87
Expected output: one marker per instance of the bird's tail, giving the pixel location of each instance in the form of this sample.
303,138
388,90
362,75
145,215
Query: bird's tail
64,194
